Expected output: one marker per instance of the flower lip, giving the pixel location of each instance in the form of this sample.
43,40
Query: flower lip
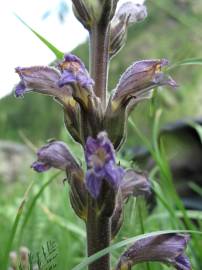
100,159
20,89
40,166
74,71
99,151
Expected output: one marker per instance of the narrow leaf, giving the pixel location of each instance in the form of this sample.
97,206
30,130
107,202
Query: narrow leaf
186,62
58,53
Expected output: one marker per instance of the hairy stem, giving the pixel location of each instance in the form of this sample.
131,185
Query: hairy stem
99,59
98,237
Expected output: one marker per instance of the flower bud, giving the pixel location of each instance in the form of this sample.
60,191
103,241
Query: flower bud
24,257
127,14
135,12
118,34
165,248
88,12
55,154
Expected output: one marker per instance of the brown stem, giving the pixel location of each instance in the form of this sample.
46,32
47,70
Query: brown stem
98,237
99,48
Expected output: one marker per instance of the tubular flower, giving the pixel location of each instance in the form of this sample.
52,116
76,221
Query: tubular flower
74,71
141,77
54,82
100,158
39,79
134,184
165,248
134,86
55,154
71,86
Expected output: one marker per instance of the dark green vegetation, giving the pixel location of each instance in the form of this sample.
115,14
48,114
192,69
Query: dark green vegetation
172,30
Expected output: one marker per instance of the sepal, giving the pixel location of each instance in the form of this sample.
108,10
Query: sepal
78,193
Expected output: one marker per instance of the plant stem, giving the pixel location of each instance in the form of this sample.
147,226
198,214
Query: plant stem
99,59
98,237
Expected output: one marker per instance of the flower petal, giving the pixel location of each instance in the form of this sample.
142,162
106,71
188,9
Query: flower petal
74,71
39,166
93,183
100,159
40,79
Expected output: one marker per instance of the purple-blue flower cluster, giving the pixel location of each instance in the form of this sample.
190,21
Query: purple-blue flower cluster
101,163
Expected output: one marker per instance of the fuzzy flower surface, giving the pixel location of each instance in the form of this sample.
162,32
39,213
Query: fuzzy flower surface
101,163
74,71
54,81
54,154
165,248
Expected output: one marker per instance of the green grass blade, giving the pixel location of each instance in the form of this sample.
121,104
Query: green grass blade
186,62
67,225
15,226
33,203
198,129
57,52
126,242
196,188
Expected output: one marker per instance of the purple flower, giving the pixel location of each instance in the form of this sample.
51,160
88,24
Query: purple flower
135,85
134,184
42,80
100,158
71,76
141,77
135,12
74,71
55,154
165,248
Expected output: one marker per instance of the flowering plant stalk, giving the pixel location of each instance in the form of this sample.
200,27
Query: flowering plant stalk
98,192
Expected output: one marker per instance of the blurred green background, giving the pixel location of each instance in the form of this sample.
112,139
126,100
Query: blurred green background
172,30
